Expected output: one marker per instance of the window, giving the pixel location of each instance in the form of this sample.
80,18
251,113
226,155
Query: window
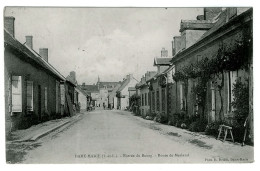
57,97
232,76
62,94
45,98
145,99
153,100
213,99
142,100
163,100
29,95
182,97
157,100
16,104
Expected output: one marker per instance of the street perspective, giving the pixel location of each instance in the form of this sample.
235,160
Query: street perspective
128,85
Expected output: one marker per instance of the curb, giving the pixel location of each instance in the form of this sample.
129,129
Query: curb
36,137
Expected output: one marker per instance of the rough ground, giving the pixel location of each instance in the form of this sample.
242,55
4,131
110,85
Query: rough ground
105,136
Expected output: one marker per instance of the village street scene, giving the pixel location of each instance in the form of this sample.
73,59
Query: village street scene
128,85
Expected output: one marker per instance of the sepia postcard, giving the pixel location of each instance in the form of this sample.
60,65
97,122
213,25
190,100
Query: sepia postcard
128,85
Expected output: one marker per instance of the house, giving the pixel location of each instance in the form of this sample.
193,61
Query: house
112,99
157,88
101,92
82,98
208,69
122,94
93,92
32,84
144,93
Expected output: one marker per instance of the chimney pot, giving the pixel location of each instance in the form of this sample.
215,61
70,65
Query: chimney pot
9,24
29,41
44,53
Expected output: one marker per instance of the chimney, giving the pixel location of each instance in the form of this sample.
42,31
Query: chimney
83,84
44,53
129,76
164,53
177,43
211,12
9,24
173,49
192,30
200,17
29,41
73,75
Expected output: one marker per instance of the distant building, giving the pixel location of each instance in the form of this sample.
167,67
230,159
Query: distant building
101,92
122,95
144,92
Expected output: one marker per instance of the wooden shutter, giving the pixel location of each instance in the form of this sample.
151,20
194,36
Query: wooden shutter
45,98
29,95
62,94
57,97
16,94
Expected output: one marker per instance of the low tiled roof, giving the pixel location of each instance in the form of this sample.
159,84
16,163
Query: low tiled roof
90,88
30,55
162,61
131,89
124,84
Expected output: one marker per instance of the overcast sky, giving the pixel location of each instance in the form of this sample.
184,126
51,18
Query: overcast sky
109,42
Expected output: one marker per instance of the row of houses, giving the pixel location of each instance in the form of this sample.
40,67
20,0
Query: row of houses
111,95
211,65
34,90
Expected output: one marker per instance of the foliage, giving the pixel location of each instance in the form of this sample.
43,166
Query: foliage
198,126
28,120
160,118
213,128
241,101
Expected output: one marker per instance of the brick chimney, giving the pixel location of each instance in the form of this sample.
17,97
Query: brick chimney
29,41
177,43
44,53
9,25
211,12
73,75
192,30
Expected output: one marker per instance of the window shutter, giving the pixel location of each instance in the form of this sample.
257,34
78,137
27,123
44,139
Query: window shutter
16,94
29,95
45,98
62,94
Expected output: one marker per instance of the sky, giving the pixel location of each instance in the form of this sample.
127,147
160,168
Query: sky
105,42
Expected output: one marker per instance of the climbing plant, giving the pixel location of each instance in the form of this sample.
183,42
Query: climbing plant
229,57
241,101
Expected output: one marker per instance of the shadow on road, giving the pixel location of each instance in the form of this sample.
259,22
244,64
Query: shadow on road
15,152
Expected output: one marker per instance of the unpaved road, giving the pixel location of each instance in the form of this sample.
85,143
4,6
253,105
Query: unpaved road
105,136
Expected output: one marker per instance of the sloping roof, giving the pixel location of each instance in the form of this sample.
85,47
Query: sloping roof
124,84
162,61
219,26
82,91
109,85
131,89
102,84
221,20
116,88
90,88
30,55
154,77
70,79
